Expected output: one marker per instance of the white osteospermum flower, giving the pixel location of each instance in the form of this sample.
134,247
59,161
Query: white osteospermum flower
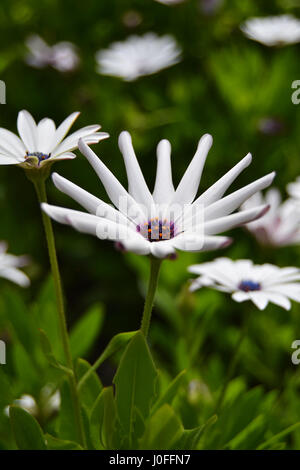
245,281
168,219
280,226
62,56
273,30
138,56
294,189
42,144
9,265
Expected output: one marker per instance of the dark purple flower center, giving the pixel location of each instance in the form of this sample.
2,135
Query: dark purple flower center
39,155
156,230
249,286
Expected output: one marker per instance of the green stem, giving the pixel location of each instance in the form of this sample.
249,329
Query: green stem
40,188
155,264
232,366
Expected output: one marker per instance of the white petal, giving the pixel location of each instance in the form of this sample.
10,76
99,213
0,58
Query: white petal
88,201
116,192
60,214
63,156
64,128
16,276
71,142
162,249
240,296
230,221
137,186
231,202
279,299
9,160
192,242
11,143
189,184
260,299
164,189
216,191
45,134
27,130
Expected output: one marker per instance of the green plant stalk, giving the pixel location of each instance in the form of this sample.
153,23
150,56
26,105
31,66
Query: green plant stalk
155,264
40,188
232,365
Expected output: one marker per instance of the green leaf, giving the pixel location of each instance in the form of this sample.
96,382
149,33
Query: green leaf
163,430
103,420
26,430
46,347
53,443
190,438
273,440
45,310
21,321
250,436
92,386
66,421
116,343
86,331
170,393
135,384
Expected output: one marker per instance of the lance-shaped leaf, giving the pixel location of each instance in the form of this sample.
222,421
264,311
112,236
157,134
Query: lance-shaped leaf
163,430
135,384
26,430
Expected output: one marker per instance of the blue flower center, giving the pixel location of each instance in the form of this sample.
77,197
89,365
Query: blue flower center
156,230
39,155
249,286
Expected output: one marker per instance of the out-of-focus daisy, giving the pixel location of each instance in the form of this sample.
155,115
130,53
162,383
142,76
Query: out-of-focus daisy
170,2
273,30
245,281
138,56
168,219
9,265
62,56
280,226
42,144
293,189
49,402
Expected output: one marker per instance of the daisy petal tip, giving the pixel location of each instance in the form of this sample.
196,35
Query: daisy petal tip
124,139
227,243
206,139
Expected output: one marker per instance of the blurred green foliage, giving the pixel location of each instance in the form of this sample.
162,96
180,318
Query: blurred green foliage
225,85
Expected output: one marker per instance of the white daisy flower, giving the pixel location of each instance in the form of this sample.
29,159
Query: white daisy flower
168,219
138,56
245,281
9,265
281,225
273,30
42,144
293,189
62,56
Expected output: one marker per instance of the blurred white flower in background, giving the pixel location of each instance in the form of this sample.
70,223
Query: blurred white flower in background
138,56
166,220
280,226
170,2
9,265
293,189
42,144
48,404
246,281
62,56
278,30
